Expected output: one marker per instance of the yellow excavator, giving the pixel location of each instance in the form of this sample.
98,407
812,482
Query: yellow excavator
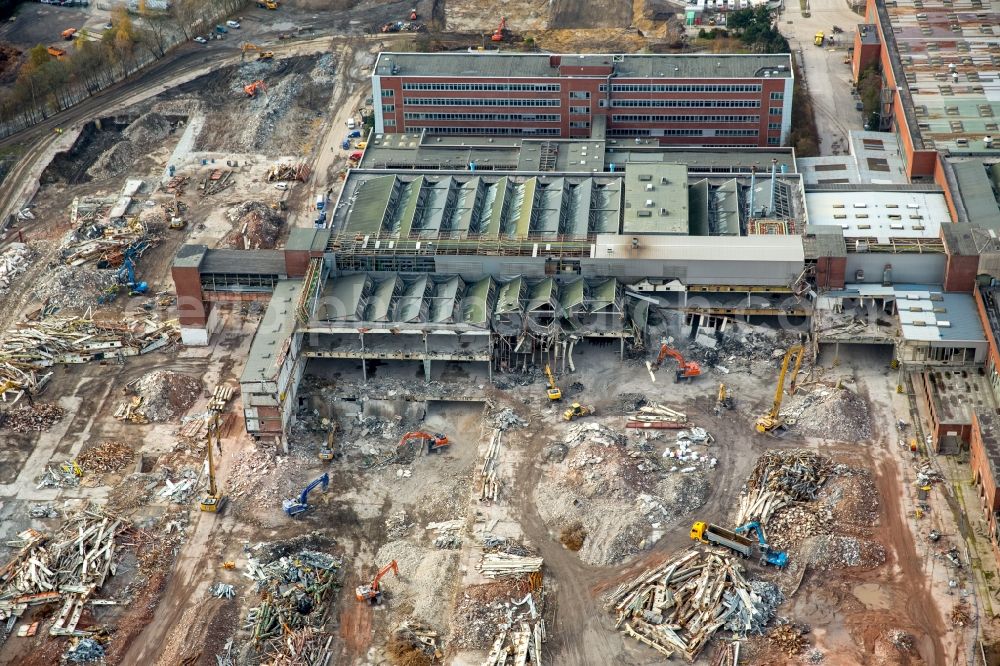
212,500
553,392
724,400
772,420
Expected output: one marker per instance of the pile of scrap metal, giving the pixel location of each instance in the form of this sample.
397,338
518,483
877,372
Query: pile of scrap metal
521,635
296,591
677,607
780,478
655,415
43,343
298,172
109,245
67,568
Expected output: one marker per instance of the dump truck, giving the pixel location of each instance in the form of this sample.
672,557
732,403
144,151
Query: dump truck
708,533
68,33
56,52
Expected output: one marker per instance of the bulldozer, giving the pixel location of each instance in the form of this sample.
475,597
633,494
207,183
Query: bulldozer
576,410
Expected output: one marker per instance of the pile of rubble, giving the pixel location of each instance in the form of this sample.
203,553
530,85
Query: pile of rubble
829,551
618,490
254,481
75,287
109,456
288,171
14,261
655,415
66,568
85,650
257,226
66,475
740,349
789,639
36,417
830,413
429,574
677,607
148,129
166,395
794,524
296,590
494,616
117,160
778,479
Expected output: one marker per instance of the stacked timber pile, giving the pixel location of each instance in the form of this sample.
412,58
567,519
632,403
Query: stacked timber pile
497,565
655,415
677,607
780,478
286,171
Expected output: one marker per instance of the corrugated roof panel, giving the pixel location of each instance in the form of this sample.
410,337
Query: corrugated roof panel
571,294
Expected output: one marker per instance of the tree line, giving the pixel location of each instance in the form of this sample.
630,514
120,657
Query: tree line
48,83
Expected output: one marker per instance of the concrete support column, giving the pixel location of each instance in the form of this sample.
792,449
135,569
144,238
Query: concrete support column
364,368
621,351
427,370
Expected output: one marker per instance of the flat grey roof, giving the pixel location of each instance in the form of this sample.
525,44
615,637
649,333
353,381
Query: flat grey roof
977,193
277,326
245,262
190,256
504,64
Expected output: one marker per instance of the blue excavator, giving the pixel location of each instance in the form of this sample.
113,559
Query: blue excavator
299,506
777,558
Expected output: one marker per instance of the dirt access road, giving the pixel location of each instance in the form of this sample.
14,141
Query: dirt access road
828,78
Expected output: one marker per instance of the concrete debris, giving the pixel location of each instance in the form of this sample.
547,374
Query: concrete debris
778,479
901,640
739,349
815,656
109,456
25,214
166,395
37,417
148,129
506,419
447,534
42,511
396,525
85,650
14,261
926,474
677,607
828,551
179,492
257,226
412,639
830,413
796,523
115,161
296,590
630,402
73,288
496,565
66,568
285,171
222,590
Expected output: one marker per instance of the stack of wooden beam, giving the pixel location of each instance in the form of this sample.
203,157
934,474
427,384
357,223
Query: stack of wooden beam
522,644
496,565
489,471
655,415
677,607
780,478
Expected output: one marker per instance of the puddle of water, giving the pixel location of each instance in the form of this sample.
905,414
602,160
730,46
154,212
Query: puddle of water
872,595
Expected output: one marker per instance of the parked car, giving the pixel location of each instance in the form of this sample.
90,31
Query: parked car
221,29
281,186
233,24
356,134
201,40
350,123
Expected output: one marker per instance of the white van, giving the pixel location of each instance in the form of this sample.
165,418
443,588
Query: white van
350,123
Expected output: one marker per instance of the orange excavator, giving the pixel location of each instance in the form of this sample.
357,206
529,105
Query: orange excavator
372,593
435,443
500,33
685,369
251,88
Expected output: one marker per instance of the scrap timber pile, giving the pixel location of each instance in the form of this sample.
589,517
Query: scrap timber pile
109,456
780,478
677,607
295,592
504,617
38,417
33,345
67,568
285,171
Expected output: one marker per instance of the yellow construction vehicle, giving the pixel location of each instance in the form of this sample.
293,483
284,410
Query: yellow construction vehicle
724,400
577,410
265,55
554,393
771,420
267,4
326,452
819,38
72,467
212,500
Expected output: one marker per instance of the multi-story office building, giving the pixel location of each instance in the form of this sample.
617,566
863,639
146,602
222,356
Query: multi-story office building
691,100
